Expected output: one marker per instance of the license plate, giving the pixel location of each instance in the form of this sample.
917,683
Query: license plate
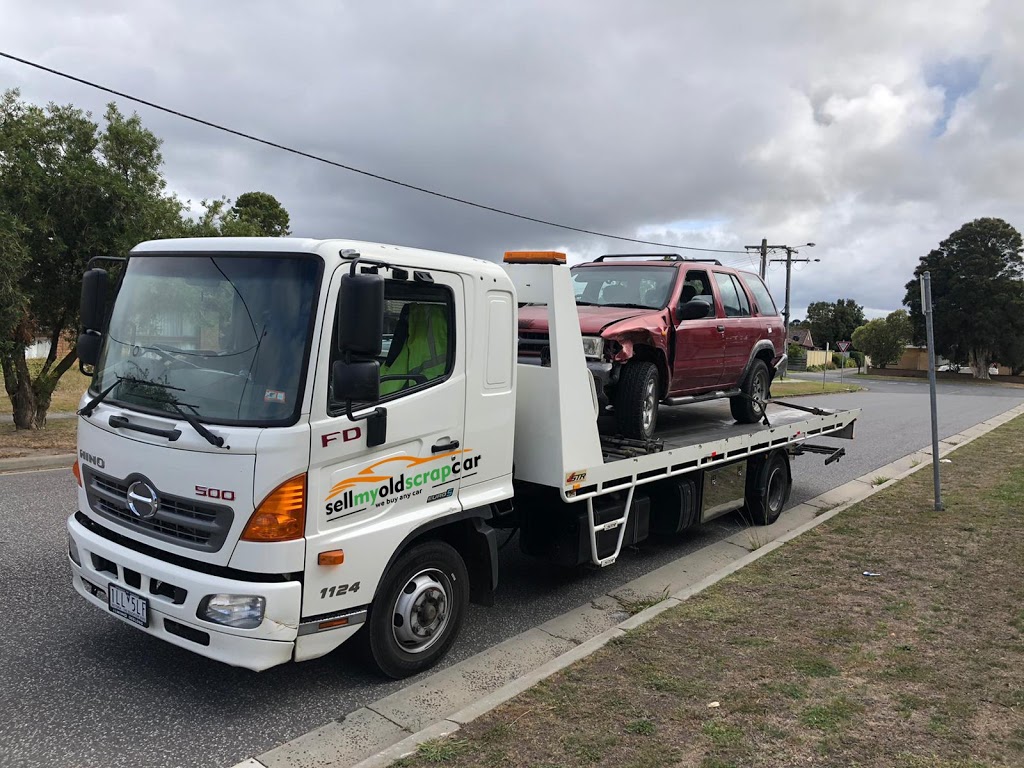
128,605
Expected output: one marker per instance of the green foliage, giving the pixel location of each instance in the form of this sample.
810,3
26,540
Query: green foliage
71,189
254,214
834,321
883,340
977,278
857,358
796,352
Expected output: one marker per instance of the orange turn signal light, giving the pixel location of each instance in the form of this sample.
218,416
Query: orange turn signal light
332,623
77,472
334,557
534,257
281,516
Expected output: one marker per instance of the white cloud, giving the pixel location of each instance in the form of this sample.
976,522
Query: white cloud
708,124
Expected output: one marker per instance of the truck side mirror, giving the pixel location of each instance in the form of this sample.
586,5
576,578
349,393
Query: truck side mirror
89,348
94,299
695,309
361,315
356,381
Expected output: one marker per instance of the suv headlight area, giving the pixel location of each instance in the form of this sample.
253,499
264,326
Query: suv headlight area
593,347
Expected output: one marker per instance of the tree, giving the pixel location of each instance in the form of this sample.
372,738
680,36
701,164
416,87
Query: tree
834,321
254,214
884,340
977,278
68,191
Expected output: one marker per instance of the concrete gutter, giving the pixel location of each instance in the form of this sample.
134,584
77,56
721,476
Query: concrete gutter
29,463
438,705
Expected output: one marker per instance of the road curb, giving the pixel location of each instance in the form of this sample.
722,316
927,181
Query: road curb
26,463
684,574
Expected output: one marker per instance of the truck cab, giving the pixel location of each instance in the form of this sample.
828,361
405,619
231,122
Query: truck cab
223,484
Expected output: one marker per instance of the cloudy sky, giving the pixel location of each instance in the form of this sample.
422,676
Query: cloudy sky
873,129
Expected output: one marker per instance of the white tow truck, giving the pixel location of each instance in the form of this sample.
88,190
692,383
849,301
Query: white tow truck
291,442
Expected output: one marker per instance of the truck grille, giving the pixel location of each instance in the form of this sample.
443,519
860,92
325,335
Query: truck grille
179,521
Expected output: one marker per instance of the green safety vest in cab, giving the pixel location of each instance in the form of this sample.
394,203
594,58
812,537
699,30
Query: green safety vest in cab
419,347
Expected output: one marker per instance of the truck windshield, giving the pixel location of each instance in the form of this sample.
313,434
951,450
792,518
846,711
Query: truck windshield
223,336
625,286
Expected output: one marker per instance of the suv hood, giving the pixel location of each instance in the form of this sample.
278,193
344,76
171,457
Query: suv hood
593,320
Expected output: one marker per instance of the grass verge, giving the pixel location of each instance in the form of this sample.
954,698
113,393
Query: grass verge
65,397
799,659
58,437
797,387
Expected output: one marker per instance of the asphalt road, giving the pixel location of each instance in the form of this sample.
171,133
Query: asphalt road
78,688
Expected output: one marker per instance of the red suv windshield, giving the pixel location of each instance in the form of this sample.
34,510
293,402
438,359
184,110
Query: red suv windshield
626,286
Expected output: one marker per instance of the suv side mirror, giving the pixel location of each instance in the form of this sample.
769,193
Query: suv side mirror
695,309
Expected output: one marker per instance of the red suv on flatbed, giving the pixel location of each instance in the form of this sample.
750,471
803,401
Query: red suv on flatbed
669,330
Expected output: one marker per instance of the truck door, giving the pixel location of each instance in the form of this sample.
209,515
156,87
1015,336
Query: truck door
415,475
700,344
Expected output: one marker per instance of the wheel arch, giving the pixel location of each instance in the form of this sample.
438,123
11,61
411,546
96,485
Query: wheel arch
470,534
650,354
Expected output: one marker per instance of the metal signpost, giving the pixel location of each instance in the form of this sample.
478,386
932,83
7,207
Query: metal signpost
926,307
844,347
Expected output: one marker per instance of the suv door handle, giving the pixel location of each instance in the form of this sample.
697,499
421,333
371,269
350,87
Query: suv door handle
440,447
721,329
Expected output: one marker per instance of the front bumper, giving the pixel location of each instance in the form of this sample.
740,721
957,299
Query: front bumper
603,374
174,594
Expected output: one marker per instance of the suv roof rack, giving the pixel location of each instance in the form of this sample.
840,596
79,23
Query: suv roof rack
654,256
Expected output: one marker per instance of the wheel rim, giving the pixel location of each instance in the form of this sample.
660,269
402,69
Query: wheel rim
776,490
759,390
650,406
422,611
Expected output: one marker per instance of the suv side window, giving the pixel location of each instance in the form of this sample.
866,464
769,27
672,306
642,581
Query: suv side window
730,297
763,299
697,286
744,301
418,346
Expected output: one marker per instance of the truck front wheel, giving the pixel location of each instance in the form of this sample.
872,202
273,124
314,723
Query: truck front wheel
419,609
636,400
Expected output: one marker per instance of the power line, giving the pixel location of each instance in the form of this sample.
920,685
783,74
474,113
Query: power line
353,169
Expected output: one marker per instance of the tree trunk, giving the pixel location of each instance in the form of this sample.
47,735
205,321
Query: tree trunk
18,384
979,363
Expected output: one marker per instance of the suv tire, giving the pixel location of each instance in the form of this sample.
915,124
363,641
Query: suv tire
755,385
636,400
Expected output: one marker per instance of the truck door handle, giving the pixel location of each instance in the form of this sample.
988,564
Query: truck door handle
721,329
444,447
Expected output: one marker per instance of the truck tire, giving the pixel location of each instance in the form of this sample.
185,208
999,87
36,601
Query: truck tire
636,400
418,610
755,385
768,487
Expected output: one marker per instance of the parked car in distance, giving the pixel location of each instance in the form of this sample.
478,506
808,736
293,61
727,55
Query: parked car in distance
672,331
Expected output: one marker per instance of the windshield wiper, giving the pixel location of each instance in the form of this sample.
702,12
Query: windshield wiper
197,425
627,305
585,303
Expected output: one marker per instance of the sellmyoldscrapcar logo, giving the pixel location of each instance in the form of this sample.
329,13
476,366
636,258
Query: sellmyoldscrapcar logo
372,488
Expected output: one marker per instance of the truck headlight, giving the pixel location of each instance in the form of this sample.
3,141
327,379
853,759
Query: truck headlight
240,611
593,347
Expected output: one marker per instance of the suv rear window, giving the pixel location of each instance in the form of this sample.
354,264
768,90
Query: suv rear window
765,305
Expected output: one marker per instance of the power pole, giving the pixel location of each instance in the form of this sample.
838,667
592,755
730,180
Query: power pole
763,249
789,261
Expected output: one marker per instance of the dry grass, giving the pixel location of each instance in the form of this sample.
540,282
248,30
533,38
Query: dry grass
809,662
796,387
58,437
65,398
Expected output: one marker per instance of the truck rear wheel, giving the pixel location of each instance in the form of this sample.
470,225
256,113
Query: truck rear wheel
636,400
748,408
768,488
419,609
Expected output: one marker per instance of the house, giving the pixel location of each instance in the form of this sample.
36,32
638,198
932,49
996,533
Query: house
40,348
801,337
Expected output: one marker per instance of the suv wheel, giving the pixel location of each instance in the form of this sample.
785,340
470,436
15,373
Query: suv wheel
754,388
636,400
